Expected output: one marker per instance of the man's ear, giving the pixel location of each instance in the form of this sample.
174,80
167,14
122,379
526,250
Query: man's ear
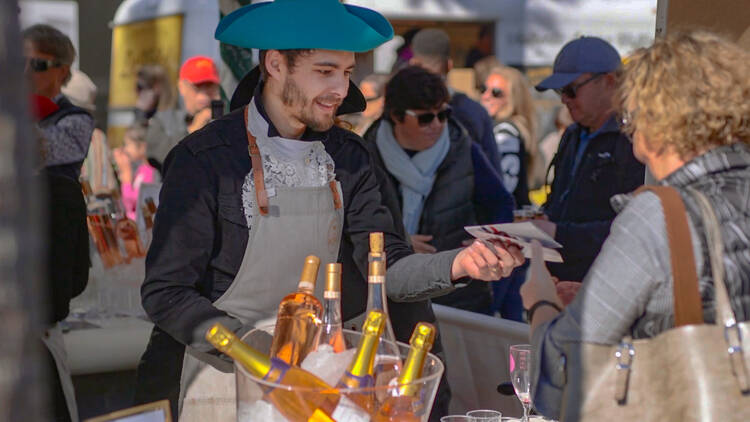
448,65
275,63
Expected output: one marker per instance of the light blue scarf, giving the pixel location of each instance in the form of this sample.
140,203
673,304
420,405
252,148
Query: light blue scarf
416,174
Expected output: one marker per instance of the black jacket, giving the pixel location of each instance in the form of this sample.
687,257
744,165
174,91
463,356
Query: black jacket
579,204
68,244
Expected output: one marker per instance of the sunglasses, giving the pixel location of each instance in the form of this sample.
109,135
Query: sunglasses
41,65
571,90
425,119
496,92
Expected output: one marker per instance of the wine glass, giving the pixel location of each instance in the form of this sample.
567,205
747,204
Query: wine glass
520,375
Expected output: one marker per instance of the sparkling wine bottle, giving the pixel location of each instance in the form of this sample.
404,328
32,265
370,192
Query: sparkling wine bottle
360,373
332,332
298,321
327,406
388,360
404,404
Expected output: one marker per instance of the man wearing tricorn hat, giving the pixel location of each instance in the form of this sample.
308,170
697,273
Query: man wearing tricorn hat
246,198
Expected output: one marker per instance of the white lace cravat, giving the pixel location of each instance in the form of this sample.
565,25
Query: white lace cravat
286,162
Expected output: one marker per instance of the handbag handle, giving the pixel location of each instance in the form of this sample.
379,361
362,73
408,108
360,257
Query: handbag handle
688,308
724,312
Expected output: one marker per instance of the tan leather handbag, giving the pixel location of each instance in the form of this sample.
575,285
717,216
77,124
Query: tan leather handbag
693,372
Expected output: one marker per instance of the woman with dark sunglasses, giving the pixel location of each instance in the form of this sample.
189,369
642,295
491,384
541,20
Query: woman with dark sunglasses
506,96
433,178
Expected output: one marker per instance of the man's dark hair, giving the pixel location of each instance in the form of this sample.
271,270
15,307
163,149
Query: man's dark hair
49,40
290,56
413,88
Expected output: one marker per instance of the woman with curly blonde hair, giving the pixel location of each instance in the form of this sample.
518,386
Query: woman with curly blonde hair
684,100
507,98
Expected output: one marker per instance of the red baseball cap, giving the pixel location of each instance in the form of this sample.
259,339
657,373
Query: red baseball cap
199,69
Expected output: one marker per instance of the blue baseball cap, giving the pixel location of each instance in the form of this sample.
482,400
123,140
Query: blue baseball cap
582,55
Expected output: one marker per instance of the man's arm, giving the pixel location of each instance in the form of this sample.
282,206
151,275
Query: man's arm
68,140
184,236
413,276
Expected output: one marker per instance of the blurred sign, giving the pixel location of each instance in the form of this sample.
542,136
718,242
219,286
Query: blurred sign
154,41
627,25
730,18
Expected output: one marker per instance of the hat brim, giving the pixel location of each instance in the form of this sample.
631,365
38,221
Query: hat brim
557,81
354,102
290,24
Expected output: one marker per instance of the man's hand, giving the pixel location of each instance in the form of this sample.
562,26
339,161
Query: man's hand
201,119
486,260
419,242
539,284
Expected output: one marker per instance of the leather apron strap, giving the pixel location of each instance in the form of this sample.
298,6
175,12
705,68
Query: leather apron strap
261,195
688,308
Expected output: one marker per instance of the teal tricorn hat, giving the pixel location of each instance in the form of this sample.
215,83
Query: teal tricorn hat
293,24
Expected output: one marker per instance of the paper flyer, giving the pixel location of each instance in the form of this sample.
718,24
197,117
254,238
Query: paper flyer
521,234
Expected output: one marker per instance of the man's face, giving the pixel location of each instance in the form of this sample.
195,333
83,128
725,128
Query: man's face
45,82
196,97
495,96
315,88
592,100
416,136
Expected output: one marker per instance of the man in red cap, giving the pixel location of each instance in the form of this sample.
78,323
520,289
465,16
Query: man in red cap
198,86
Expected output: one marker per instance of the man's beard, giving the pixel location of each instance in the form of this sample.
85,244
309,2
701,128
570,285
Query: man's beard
292,96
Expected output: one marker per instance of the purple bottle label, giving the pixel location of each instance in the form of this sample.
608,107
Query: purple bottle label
353,381
275,374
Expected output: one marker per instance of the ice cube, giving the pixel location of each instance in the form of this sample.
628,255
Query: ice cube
327,364
260,410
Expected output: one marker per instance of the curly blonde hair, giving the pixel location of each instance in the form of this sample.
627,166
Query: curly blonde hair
689,92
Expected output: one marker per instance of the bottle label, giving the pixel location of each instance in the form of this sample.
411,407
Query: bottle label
352,381
275,374
347,411
376,279
328,294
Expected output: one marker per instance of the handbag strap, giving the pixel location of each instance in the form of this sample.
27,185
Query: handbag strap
688,308
724,312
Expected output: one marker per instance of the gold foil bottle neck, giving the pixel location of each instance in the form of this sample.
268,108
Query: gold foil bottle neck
423,336
376,242
376,268
374,323
333,277
309,273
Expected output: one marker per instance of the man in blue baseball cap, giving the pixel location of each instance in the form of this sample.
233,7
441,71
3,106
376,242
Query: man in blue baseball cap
594,160
249,196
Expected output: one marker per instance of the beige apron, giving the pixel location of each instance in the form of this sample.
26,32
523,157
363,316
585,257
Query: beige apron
288,226
53,339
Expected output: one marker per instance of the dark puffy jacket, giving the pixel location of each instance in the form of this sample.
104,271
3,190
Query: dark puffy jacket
579,204
454,202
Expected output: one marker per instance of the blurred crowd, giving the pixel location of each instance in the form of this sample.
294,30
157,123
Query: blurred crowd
444,159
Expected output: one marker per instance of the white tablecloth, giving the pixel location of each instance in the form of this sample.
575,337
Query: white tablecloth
476,349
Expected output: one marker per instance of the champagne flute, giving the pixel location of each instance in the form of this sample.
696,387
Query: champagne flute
520,375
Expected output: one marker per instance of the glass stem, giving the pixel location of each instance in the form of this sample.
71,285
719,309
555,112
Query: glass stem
526,412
